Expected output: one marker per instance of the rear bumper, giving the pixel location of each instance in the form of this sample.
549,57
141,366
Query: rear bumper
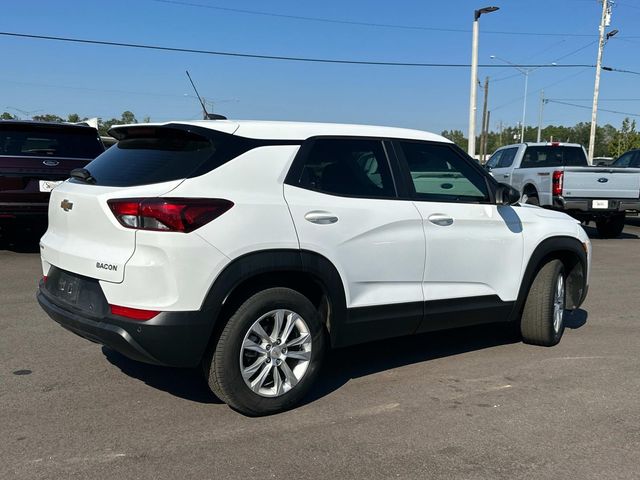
23,209
177,339
585,206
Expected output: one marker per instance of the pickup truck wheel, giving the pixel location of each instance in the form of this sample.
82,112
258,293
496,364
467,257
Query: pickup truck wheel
268,354
530,199
543,315
610,227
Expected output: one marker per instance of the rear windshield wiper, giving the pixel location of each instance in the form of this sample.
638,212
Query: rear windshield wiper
83,175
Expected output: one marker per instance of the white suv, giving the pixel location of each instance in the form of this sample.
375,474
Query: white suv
249,248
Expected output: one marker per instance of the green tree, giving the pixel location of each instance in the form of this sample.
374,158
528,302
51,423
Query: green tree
457,137
126,118
73,118
626,138
7,116
48,117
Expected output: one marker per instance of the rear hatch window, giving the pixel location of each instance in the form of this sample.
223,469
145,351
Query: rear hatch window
147,155
554,156
32,140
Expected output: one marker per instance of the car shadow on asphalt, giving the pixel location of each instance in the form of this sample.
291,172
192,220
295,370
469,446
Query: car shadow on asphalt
370,358
343,364
593,232
22,238
187,383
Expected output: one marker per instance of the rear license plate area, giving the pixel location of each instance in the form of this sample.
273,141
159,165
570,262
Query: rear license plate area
600,204
48,185
65,287
81,293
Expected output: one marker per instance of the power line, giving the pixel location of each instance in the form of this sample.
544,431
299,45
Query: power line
563,79
364,24
91,89
589,108
277,57
573,52
611,69
600,100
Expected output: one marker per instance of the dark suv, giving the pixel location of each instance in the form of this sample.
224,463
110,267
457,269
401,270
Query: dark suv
35,157
630,159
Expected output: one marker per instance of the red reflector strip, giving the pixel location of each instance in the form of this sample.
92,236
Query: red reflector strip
44,279
133,313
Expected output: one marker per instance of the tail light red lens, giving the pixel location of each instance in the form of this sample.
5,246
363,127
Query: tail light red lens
556,183
133,313
168,214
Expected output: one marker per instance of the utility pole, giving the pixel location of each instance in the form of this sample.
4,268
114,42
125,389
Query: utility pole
604,22
486,138
542,102
485,122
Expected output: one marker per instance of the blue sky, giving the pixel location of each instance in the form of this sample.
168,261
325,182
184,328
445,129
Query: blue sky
103,81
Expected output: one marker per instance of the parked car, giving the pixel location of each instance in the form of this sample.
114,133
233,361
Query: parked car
108,141
630,159
603,161
248,248
557,176
34,158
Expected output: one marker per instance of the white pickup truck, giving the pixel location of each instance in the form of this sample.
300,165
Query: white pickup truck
558,176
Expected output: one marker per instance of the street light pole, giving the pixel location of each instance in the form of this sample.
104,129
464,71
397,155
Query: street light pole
524,105
604,21
525,72
474,79
542,102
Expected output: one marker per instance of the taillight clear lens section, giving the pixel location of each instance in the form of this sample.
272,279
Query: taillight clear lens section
168,214
556,183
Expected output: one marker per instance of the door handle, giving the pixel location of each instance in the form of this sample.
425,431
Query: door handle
320,217
506,175
441,219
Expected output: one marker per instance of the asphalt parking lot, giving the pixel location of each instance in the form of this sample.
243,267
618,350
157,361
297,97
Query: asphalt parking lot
468,404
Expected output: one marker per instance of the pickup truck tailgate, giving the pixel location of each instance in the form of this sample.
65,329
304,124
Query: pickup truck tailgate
595,182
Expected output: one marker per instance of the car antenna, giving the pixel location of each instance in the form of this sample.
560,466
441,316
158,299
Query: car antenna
206,115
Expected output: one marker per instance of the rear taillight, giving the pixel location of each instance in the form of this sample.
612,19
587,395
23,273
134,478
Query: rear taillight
133,313
168,214
556,183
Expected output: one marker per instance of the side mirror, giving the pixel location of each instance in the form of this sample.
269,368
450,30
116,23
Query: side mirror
487,167
507,195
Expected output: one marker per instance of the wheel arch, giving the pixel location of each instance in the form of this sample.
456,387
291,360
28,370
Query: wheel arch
571,252
306,272
530,188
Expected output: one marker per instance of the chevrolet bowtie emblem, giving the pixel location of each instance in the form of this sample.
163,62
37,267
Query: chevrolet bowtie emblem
66,205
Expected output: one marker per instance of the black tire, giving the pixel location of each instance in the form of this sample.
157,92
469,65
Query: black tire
222,365
610,227
537,324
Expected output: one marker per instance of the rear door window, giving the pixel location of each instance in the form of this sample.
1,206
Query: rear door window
146,155
349,167
553,156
